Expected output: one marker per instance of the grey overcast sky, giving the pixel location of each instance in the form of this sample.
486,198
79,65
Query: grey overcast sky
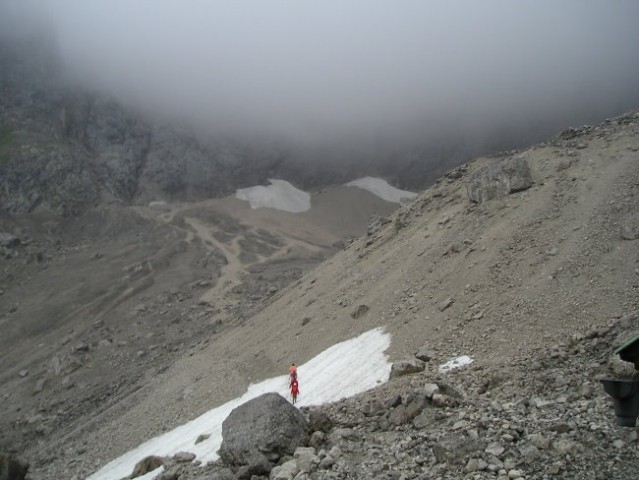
337,68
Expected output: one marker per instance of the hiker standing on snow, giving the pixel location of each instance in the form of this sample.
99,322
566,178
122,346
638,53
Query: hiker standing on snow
292,372
294,391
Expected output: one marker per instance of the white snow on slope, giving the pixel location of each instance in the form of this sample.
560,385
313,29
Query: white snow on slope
382,189
455,363
340,371
280,195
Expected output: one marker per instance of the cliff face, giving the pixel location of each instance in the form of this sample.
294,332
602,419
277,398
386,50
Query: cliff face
64,149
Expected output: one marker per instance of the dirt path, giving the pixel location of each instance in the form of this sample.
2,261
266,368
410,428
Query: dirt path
231,272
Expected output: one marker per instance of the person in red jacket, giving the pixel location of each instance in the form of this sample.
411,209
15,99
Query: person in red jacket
295,390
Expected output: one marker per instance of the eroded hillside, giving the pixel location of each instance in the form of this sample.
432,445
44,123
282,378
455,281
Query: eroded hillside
548,261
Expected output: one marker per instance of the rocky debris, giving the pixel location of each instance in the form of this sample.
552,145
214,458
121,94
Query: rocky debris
499,179
258,433
425,354
444,304
532,426
319,421
12,468
375,224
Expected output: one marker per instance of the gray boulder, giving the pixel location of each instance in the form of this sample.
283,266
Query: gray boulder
258,433
146,465
499,179
453,449
406,367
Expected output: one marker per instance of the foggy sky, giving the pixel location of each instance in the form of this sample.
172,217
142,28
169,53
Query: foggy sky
330,70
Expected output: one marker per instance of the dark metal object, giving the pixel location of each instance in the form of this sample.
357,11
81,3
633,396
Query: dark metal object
625,397
629,351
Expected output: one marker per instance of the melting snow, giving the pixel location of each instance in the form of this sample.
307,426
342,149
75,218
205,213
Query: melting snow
382,189
340,371
455,363
280,195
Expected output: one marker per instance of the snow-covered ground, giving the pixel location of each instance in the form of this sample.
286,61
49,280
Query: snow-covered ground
381,188
455,363
340,371
280,195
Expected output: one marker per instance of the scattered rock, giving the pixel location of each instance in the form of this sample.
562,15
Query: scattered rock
431,389
425,354
454,448
360,311
82,347
441,306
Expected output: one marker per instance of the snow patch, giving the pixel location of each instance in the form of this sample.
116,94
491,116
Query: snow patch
382,189
455,363
340,371
279,195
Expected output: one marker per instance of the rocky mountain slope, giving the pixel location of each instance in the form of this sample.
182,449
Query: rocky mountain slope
536,279
538,285
64,148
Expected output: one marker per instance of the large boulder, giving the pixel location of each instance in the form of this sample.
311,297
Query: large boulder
258,433
499,179
406,367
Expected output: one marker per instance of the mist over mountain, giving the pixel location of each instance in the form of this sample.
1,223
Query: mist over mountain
326,92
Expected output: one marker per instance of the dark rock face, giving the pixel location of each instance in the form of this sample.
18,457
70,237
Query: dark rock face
257,433
11,468
500,179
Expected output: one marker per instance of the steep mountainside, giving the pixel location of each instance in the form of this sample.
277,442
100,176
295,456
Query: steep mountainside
64,149
536,279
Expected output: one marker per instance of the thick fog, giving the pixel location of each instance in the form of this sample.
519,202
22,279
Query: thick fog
361,70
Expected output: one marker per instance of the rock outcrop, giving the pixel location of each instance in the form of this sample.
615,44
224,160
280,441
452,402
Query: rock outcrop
499,179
